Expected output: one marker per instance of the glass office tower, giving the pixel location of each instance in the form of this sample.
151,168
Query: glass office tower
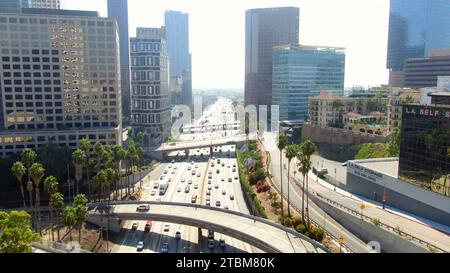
177,37
264,29
416,27
301,72
119,9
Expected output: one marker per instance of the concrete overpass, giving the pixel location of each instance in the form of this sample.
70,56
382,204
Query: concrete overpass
210,127
261,233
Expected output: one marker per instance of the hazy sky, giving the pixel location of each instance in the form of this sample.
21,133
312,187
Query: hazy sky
217,33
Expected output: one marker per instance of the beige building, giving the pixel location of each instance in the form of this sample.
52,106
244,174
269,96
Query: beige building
397,98
321,111
60,80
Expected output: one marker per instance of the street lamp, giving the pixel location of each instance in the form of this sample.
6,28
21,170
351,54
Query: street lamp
317,172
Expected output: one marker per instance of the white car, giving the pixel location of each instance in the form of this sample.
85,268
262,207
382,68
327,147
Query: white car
179,190
166,228
140,246
153,193
183,180
196,186
156,185
216,186
143,208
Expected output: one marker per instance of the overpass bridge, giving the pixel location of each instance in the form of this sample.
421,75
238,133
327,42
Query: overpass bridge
261,233
234,125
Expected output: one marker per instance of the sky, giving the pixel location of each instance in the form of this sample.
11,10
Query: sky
217,33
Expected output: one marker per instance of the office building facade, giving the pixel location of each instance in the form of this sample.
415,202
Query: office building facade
424,72
15,6
265,29
59,80
150,96
301,72
177,38
118,9
416,28
425,146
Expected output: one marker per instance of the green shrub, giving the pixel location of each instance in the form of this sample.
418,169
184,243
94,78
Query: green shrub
287,222
300,228
296,220
376,222
318,234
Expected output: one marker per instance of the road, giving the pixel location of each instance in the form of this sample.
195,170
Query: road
407,225
179,170
316,214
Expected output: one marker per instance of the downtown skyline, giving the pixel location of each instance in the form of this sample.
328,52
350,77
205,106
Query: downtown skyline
334,26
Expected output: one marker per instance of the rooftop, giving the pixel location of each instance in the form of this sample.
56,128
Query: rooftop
310,47
62,12
387,166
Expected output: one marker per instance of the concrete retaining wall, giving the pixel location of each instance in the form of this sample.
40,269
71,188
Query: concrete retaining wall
368,232
338,136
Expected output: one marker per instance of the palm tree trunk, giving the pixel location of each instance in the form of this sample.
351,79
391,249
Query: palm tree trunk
281,180
57,225
23,196
303,197
78,187
31,209
307,199
51,225
289,179
38,211
88,181
79,234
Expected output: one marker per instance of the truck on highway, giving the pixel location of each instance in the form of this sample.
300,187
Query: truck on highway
163,188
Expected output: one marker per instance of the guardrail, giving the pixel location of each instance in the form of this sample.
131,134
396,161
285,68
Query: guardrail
347,249
381,224
55,247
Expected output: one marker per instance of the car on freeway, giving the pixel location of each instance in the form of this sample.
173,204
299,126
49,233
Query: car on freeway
148,226
231,197
187,189
345,164
199,174
234,170
193,172
153,193
179,190
218,203
223,164
173,172
208,203
226,207
210,172
192,163
196,186
230,179
175,168
166,171
189,168
224,192
208,193
209,187
169,180
166,228
170,166
135,226
223,179
140,246
162,177
196,166
209,176
190,182
236,178
323,171
194,199
164,248
143,208
209,182
183,180
216,186
211,244
173,161
218,171
210,235
178,235
222,243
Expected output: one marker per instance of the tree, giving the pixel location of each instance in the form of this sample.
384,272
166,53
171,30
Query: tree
16,234
308,148
283,141
81,212
37,172
69,218
56,204
394,143
100,179
78,159
28,157
51,187
85,146
19,170
291,152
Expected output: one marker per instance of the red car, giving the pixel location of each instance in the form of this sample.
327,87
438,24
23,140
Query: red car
148,226
231,197
208,193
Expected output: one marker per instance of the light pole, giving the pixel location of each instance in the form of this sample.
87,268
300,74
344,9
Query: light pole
335,178
317,172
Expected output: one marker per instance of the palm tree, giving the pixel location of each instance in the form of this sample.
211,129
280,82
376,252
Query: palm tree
131,151
37,172
56,203
119,154
85,146
308,148
78,159
51,187
28,157
283,141
69,218
81,211
302,163
19,170
100,179
291,152
139,155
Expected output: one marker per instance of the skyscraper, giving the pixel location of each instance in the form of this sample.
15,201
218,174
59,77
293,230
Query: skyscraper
58,84
264,29
43,4
416,27
301,72
150,97
119,9
177,36
10,6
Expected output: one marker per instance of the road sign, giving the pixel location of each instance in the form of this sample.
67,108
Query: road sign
362,206
341,240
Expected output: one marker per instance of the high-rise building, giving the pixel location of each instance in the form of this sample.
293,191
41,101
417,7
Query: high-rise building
415,29
119,9
15,6
10,6
301,72
425,145
150,96
177,36
424,72
43,4
58,83
265,29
